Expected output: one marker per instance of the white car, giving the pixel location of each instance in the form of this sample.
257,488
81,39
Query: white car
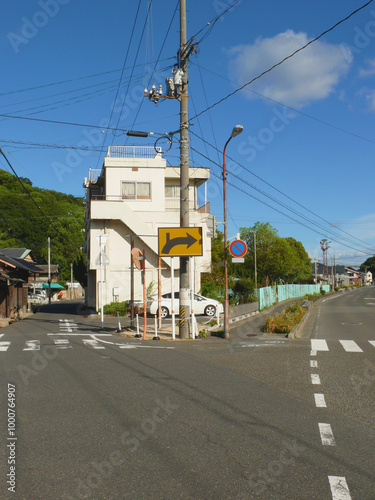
202,305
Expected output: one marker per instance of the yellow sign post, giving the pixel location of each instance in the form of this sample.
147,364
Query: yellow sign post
180,241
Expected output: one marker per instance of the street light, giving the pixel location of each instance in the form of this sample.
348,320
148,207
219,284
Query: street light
236,131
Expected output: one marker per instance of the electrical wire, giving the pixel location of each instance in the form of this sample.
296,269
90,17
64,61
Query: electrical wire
68,81
295,110
369,250
121,76
35,203
278,190
210,25
155,65
282,61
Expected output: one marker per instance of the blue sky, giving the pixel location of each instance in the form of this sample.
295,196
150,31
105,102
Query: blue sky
308,144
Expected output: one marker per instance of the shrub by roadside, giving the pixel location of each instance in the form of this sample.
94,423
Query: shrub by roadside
114,307
287,320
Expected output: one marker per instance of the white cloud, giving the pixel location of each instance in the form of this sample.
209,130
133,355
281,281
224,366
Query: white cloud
308,76
370,71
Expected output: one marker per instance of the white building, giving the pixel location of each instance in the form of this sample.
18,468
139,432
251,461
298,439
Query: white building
133,195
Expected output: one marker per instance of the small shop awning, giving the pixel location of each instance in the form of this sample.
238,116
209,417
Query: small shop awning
55,286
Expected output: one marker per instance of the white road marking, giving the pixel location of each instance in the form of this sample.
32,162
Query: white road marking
81,334
2,335
320,401
319,345
4,346
326,435
313,364
94,344
339,488
32,345
350,346
372,342
370,303
133,345
315,379
62,344
313,352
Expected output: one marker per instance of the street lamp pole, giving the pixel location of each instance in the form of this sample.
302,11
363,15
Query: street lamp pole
236,131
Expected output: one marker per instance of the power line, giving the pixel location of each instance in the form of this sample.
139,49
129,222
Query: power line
34,202
295,110
283,60
158,58
68,81
290,209
278,190
122,73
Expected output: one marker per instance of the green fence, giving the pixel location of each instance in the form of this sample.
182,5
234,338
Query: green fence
271,295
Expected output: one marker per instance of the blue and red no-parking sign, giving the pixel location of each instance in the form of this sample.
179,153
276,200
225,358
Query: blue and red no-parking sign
238,248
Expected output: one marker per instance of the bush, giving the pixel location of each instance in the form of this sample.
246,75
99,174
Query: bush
322,291
116,307
285,323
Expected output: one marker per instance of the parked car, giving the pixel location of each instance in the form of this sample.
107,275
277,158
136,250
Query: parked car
202,305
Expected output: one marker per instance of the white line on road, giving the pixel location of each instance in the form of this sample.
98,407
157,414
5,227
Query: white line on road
313,364
339,488
81,334
94,344
313,352
319,345
2,335
4,346
134,345
372,342
326,435
315,379
350,346
32,345
320,401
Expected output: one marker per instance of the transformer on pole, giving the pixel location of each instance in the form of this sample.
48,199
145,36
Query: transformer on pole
324,244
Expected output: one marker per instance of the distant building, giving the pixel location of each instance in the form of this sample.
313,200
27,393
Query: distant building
133,195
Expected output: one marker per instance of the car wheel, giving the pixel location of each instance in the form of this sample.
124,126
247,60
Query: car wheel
210,310
164,312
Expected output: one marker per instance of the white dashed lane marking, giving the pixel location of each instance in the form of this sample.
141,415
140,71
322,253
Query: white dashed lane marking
313,364
320,401
339,488
315,379
326,435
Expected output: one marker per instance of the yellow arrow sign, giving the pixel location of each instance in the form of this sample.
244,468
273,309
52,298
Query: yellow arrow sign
180,241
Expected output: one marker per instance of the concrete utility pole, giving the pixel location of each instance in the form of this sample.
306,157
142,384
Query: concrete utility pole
49,269
184,173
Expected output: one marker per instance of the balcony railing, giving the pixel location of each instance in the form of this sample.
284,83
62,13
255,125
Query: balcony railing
133,152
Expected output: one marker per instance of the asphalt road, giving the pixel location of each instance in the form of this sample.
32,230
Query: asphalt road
102,417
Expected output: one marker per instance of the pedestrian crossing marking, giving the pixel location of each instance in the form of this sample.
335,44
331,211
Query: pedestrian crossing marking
32,345
319,345
93,344
4,346
350,346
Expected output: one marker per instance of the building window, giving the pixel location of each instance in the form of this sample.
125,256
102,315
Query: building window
172,191
136,190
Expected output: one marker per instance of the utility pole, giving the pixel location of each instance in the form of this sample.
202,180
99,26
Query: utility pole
184,173
49,270
71,280
255,262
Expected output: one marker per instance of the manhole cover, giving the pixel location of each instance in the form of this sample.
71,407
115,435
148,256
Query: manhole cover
251,335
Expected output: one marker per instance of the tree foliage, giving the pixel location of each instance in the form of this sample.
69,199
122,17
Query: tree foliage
369,264
22,224
278,259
